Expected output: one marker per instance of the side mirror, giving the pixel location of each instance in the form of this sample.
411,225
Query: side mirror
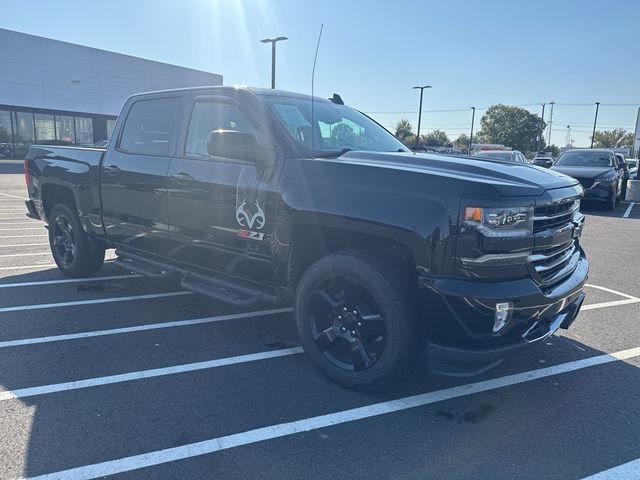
238,146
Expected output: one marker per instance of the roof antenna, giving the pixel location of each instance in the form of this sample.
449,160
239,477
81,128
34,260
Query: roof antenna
313,76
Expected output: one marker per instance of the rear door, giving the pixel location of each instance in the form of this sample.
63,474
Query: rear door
219,214
133,174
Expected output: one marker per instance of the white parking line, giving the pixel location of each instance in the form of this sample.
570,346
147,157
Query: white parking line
67,280
213,445
23,217
141,328
26,245
7,255
27,221
21,229
140,375
615,303
94,301
615,292
628,211
28,267
23,236
13,196
628,471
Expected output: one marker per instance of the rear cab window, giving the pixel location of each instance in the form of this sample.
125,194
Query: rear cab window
150,126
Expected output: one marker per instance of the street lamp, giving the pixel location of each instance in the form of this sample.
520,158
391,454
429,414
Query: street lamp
473,118
420,111
595,121
273,42
541,130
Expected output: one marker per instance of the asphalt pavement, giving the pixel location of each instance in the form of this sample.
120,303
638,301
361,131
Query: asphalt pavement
123,377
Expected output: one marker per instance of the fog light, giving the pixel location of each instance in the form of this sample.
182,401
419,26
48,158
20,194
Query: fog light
503,315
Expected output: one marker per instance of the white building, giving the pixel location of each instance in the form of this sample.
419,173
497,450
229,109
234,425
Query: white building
53,91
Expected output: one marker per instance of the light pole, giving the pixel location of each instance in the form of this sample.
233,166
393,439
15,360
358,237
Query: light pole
273,42
595,121
541,130
420,112
473,118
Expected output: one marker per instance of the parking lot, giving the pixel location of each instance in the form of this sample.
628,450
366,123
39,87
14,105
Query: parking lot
124,377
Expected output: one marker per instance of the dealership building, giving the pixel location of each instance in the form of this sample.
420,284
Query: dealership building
63,93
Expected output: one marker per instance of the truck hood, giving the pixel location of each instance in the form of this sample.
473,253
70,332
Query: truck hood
508,179
583,172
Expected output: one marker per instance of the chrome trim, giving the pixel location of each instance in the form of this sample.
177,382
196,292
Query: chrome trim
570,211
552,329
496,258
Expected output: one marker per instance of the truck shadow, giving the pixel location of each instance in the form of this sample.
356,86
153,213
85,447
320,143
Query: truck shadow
51,432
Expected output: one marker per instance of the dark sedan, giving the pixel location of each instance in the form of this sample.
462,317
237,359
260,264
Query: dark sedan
597,171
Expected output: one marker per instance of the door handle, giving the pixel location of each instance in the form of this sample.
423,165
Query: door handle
181,177
111,169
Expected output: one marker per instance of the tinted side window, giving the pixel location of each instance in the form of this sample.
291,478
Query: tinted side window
207,117
149,126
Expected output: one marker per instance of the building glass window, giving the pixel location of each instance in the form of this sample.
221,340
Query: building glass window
45,127
110,124
23,134
65,130
6,140
84,130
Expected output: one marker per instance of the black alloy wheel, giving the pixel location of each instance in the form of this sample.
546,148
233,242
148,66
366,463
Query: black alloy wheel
347,325
64,240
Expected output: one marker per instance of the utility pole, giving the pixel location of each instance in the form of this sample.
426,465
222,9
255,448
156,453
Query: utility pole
595,122
568,140
273,42
473,117
541,130
550,121
420,111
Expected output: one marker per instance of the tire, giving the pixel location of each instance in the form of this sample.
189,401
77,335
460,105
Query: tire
357,319
70,245
611,202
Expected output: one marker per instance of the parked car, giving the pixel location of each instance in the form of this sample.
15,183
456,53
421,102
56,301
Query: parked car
545,161
244,196
597,170
504,155
622,165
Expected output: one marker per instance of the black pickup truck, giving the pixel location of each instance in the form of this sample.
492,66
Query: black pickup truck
257,197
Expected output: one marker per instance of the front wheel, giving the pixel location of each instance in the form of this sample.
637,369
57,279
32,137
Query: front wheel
357,319
70,245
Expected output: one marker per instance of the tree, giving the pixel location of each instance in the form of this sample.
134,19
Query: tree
462,142
437,138
553,150
618,137
343,134
511,126
403,129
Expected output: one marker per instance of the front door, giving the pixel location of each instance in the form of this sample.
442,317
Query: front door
219,214
134,178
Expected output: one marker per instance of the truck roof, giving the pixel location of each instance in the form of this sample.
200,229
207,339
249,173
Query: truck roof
254,90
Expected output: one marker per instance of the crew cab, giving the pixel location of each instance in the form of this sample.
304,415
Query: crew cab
257,197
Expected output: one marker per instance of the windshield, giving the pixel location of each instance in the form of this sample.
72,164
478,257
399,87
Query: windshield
584,159
495,155
336,128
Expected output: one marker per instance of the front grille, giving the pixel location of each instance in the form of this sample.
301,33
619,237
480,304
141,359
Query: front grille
554,263
554,216
585,182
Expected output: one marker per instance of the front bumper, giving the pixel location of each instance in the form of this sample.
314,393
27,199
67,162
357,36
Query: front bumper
462,313
602,193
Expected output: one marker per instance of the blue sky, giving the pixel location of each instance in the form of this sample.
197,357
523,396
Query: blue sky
472,52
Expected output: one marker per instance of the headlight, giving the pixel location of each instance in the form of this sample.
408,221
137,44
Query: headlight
501,221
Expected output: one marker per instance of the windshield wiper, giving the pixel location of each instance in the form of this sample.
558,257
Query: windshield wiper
333,154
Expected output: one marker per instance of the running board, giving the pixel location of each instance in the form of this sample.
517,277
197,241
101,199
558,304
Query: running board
226,291
143,266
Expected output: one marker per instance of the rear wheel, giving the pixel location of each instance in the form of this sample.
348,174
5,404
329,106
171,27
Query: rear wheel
357,320
70,245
